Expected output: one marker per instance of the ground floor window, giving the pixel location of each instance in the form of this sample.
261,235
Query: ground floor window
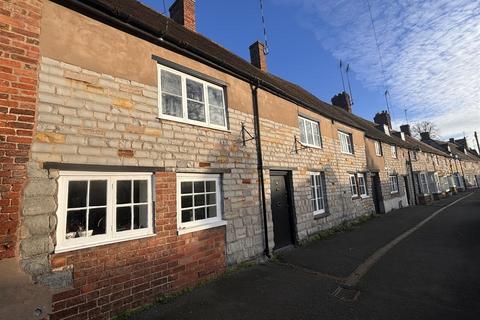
198,201
318,194
362,185
424,183
353,185
394,184
96,208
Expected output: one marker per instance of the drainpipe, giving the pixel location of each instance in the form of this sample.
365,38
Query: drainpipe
413,178
261,178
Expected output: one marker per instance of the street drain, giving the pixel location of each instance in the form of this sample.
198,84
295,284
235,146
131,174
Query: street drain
346,294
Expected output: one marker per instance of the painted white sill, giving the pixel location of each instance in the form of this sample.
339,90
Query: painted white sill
202,227
60,249
393,192
193,123
364,196
311,146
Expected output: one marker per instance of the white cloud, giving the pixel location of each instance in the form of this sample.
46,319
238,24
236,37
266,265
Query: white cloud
430,53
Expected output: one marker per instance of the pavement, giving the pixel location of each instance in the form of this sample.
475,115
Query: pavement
433,273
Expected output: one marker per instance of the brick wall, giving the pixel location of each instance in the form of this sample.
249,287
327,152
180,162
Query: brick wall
19,61
113,278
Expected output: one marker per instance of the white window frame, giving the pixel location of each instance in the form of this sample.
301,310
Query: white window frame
111,235
393,150
313,125
319,199
394,187
424,183
378,148
191,226
346,142
353,185
413,155
362,184
185,118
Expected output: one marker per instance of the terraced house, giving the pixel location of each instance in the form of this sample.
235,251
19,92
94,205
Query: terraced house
140,158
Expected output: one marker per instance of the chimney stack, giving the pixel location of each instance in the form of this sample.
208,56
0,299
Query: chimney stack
452,140
425,136
183,12
383,118
406,129
257,56
342,100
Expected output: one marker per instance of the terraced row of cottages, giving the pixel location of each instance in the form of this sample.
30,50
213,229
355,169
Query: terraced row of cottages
140,158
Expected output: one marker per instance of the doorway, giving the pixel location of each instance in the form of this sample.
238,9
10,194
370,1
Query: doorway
281,201
407,190
377,193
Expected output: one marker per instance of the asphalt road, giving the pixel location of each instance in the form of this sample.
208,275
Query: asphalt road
434,273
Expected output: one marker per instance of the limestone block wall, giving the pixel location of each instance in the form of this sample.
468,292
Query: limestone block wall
279,152
86,117
395,166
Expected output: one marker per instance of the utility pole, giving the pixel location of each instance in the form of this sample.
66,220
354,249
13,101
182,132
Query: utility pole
478,144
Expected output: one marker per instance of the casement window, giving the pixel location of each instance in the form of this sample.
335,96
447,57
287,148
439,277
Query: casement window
188,99
394,184
353,185
378,148
99,208
309,132
362,185
413,155
424,183
199,202
346,143
394,151
318,192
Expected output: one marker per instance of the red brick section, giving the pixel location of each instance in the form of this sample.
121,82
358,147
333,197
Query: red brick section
19,63
113,278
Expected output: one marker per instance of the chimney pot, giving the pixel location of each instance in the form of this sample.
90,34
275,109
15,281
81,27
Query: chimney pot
257,55
406,129
425,136
183,12
383,118
342,100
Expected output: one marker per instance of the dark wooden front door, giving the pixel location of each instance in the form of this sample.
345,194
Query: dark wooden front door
407,190
377,193
281,210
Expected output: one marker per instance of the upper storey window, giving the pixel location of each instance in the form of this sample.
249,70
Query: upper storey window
188,99
309,132
346,144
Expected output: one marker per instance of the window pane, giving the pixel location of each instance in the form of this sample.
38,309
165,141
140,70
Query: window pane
200,214
194,90
215,97
187,215
199,186
317,180
140,216
97,220
199,200
301,125
186,187
314,196
172,105
171,83
211,186
140,191
124,191
308,127
320,204
212,212
76,224
217,115
98,193
316,138
77,194
211,198
124,218
187,201
196,111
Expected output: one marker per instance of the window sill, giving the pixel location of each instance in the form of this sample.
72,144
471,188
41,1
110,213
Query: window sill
393,192
320,215
193,123
311,146
364,197
202,227
61,249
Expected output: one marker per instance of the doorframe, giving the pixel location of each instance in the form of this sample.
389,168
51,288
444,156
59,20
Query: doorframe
377,194
291,203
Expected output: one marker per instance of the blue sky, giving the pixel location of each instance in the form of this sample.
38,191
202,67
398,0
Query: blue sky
429,51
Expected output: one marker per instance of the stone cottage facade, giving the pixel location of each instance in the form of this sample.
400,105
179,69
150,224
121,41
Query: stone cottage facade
140,158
